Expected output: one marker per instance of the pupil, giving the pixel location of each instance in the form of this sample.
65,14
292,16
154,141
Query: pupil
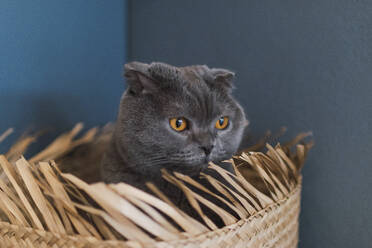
178,123
222,121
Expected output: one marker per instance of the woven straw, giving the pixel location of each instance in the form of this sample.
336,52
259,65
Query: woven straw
42,207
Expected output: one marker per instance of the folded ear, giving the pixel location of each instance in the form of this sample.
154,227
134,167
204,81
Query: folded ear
223,78
138,79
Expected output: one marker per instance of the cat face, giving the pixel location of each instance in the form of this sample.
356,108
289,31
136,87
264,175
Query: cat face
178,118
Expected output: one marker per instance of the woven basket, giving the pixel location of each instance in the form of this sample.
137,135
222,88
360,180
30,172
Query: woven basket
43,207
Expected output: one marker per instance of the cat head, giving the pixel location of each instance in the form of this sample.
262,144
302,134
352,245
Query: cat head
179,118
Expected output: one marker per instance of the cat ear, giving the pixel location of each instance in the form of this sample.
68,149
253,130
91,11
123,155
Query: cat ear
223,78
138,79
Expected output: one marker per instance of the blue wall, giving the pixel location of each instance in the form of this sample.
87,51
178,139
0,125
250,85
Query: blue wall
60,63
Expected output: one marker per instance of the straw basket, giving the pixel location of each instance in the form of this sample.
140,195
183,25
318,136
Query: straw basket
44,205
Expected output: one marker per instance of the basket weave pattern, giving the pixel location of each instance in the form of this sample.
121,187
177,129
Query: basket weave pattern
275,226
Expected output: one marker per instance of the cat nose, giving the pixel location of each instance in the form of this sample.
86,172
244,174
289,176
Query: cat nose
207,149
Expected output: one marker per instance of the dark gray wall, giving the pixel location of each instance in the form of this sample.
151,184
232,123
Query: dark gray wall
60,63
303,64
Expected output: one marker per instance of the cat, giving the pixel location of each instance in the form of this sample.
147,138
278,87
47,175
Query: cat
176,118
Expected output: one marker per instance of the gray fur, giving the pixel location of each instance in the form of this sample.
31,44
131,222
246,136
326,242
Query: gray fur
143,142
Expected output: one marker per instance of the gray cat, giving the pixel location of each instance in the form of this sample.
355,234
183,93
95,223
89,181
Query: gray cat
177,118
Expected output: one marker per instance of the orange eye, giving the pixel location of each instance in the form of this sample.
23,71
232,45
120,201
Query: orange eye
222,123
179,124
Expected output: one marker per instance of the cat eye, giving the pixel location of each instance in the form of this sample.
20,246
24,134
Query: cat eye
222,122
179,124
